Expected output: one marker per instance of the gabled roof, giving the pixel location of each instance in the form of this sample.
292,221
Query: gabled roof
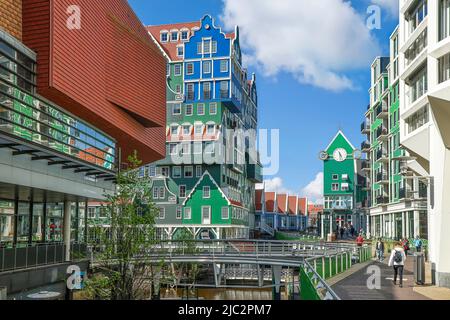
259,199
292,205
194,189
270,198
303,206
340,133
170,47
282,203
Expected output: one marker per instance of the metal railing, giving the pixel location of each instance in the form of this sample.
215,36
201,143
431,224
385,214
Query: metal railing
18,258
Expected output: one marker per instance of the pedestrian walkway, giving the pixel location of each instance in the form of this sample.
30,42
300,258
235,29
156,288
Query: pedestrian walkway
354,287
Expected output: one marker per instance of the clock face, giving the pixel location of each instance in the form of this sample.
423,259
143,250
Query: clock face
340,155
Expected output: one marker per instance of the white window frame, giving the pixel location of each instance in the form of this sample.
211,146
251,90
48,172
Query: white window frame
206,192
186,148
179,191
198,109
177,67
180,54
162,213
188,213
196,151
175,132
179,213
187,169
227,216
335,187
173,109
205,69
171,35
166,34
198,171
189,107
213,105
174,170
224,63
188,66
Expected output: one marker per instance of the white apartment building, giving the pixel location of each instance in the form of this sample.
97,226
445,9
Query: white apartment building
424,68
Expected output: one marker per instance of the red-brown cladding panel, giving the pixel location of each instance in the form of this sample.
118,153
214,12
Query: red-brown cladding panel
109,72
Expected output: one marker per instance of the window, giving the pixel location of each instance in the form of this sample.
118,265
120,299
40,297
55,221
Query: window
206,46
162,192
417,47
345,187
190,91
173,149
176,109
155,192
444,68
213,108
188,172
444,19
206,192
210,147
206,90
198,171
179,213
210,129
184,35
416,15
174,36
201,109
182,191
186,148
335,187
162,213
187,130
174,130
417,120
335,177
418,85
176,172
177,69
199,48
152,171
91,213
187,213
345,177
206,67
190,68
178,88
168,70
224,89
198,146
165,171
198,129
214,47
164,37
225,213
223,65
180,51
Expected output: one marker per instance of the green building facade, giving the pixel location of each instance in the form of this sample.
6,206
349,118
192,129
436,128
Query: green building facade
344,194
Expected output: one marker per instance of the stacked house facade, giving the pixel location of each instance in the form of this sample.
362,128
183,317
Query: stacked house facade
206,184
398,207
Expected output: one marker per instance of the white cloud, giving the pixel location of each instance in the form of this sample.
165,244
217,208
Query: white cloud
315,41
314,190
392,6
277,185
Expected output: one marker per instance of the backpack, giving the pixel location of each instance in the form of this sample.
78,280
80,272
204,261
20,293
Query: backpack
398,257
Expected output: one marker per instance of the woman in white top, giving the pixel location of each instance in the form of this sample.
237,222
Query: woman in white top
397,260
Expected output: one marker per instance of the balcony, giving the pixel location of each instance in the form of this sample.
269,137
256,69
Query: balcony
365,128
382,200
382,178
366,166
382,111
254,173
406,194
382,133
382,155
365,146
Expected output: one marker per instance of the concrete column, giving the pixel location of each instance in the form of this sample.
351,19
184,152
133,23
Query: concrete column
416,224
67,229
403,224
276,281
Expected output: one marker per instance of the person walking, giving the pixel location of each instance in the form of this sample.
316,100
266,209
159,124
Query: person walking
418,244
405,244
397,260
380,250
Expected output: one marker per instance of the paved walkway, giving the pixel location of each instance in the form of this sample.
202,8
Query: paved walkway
354,287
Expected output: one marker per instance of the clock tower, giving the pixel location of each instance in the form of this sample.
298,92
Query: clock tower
343,183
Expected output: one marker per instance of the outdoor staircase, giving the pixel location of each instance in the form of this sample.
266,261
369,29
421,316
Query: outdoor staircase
267,229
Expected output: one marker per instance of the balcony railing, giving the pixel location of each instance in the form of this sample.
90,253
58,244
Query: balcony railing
39,255
382,155
365,127
382,132
365,146
382,177
382,111
382,200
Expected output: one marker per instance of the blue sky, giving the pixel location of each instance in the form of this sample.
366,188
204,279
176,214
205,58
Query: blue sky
307,93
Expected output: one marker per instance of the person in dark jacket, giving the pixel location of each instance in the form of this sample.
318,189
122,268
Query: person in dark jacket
380,250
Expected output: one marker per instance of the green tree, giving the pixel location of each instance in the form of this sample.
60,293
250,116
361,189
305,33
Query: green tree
123,252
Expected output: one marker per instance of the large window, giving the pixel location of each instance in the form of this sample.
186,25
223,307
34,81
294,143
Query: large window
444,19
417,120
418,85
444,68
6,222
206,90
417,47
416,15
